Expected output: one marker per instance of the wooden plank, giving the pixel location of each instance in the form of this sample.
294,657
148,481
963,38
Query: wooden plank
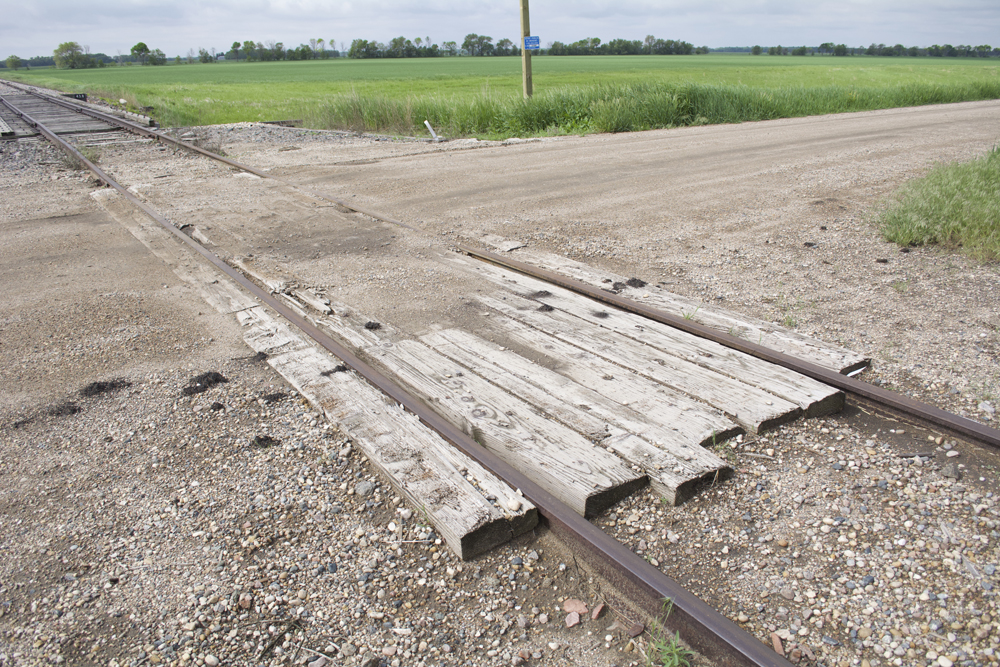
470,507
673,410
814,398
758,331
582,475
752,408
674,464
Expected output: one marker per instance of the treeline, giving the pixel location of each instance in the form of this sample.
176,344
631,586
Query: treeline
401,47
593,46
271,50
898,51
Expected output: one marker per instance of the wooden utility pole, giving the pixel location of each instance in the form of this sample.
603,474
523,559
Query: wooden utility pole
525,53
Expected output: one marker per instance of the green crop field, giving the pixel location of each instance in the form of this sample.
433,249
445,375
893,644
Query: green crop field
576,94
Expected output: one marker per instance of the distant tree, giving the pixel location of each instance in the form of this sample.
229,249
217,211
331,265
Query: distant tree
702,50
800,51
177,60
13,62
236,51
756,50
840,50
204,56
190,56
140,52
68,55
826,47
450,48
248,47
157,57
984,50
504,47
321,44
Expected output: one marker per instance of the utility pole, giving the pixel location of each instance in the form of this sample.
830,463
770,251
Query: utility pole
525,53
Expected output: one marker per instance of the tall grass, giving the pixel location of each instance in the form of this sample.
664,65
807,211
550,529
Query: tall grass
621,107
954,205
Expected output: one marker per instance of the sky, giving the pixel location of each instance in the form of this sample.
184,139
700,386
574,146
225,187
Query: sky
37,27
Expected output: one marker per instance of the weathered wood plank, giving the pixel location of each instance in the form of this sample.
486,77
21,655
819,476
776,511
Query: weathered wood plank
755,330
673,469
468,506
472,516
752,408
814,398
672,409
582,475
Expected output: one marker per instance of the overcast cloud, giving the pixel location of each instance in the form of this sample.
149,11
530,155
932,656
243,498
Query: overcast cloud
36,27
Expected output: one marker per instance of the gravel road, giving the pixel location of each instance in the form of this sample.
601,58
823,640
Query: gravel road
146,522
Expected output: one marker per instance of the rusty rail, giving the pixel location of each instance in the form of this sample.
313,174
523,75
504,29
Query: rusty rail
876,397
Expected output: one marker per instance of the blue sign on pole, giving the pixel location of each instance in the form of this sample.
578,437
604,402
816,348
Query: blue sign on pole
532,43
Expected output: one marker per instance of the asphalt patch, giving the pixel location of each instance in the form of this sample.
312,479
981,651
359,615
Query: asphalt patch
264,441
635,282
103,387
336,369
64,409
546,308
274,398
540,294
203,382
373,326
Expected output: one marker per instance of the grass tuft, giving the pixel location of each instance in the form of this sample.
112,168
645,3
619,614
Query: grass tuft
955,206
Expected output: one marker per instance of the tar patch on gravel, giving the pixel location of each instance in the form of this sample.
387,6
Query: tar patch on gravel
64,409
264,441
336,369
635,282
103,387
274,398
202,383
373,326
618,287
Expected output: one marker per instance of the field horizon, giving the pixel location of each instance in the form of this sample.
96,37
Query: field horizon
482,96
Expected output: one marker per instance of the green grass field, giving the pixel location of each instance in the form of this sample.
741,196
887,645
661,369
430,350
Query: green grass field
482,96
956,206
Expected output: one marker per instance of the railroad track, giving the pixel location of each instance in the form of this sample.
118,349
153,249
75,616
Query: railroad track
640,585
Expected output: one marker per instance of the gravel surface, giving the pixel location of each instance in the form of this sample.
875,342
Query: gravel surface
234,526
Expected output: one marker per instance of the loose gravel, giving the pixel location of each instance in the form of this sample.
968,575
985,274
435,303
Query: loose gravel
233,526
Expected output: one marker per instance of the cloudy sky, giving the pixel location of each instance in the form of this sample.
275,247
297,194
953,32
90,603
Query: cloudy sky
36,27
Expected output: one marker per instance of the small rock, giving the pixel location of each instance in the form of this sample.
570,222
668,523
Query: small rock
574,605
211,661
513,504
597,611
573,618
636,630
364,488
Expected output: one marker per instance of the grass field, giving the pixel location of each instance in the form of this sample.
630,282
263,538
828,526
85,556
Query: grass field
482,96
956,206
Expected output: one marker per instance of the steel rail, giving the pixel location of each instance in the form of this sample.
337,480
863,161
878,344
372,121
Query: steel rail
874,396
160,136
702,627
